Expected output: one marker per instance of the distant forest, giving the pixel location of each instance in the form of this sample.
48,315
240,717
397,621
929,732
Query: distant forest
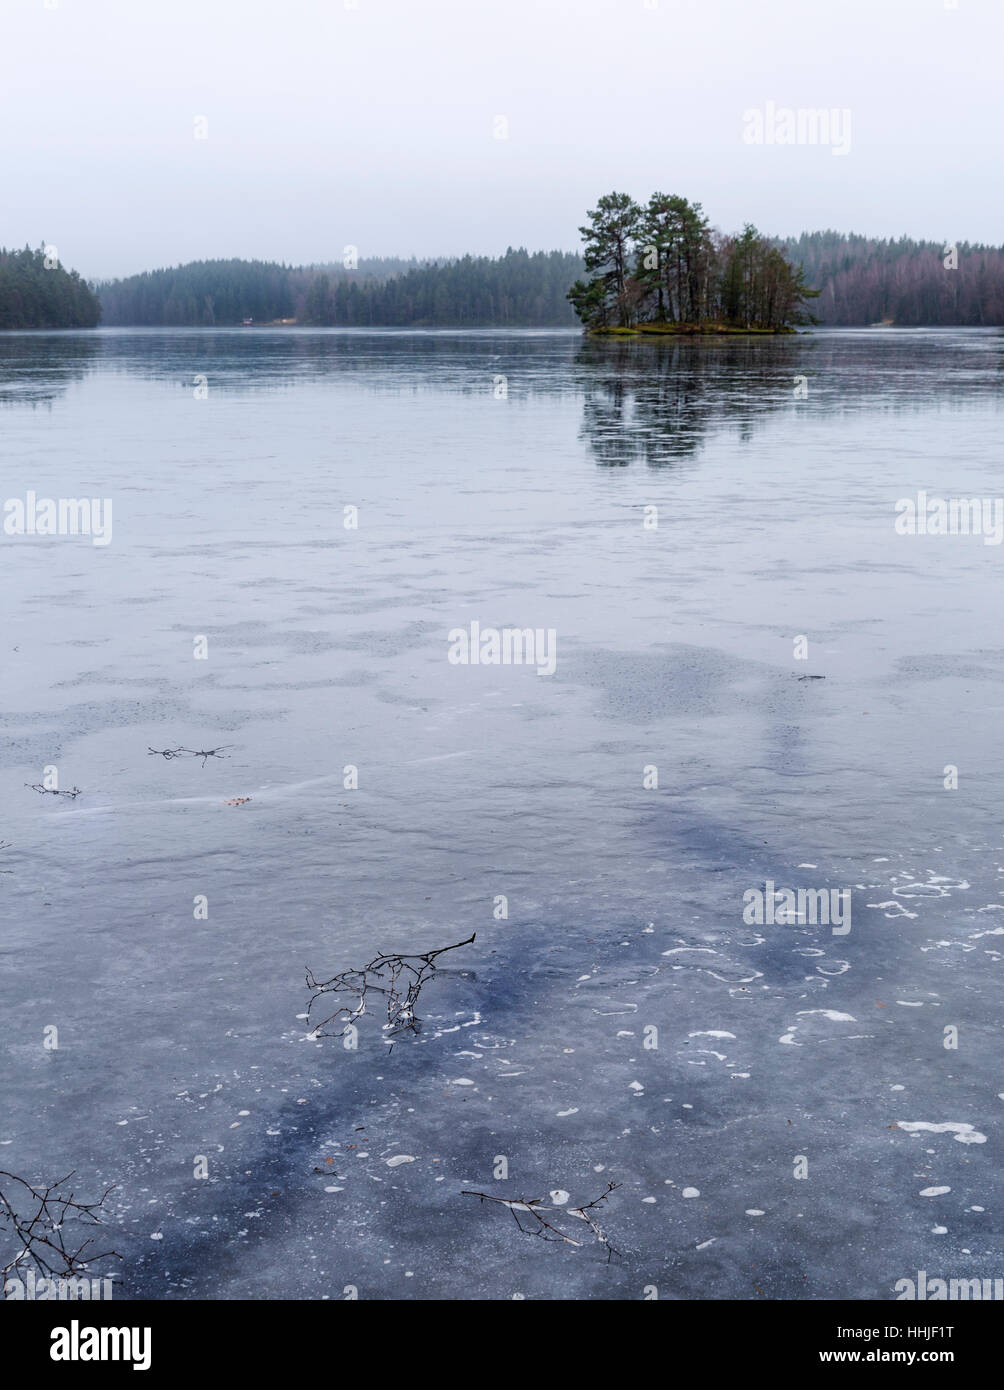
517,290
861,280
36,292
864,280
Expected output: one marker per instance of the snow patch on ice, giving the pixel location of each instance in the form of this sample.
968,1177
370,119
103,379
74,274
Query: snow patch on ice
964,1133
900,909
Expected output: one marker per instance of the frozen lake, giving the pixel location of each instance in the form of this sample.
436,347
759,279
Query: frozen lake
748,1085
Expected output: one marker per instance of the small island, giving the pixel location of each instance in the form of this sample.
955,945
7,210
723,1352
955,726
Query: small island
663,269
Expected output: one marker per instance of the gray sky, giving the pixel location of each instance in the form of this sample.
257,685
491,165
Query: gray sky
373,122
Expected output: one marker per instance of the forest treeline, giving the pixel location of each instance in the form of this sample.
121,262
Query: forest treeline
37,292
517,290
864,280
861,280
206,294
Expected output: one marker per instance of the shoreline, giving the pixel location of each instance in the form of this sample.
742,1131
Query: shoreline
673,330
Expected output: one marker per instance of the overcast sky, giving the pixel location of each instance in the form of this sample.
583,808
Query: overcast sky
375,123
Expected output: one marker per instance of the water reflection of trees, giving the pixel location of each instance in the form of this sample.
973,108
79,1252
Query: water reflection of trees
656,402
36,368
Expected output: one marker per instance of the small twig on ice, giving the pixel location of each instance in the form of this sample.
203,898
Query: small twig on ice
37,787
203,753
398,977
39,1217
535,1207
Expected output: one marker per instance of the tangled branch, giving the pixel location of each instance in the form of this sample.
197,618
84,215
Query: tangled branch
547,1230
37,787
203,753
38,1217
399,978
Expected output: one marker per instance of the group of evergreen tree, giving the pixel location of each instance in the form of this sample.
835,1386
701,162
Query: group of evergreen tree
203,294
36,292
517,290
664,263
222,293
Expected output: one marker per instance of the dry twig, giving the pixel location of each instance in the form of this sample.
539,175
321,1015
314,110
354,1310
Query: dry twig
547,1230
39,1217
203,753
37,787
398,977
